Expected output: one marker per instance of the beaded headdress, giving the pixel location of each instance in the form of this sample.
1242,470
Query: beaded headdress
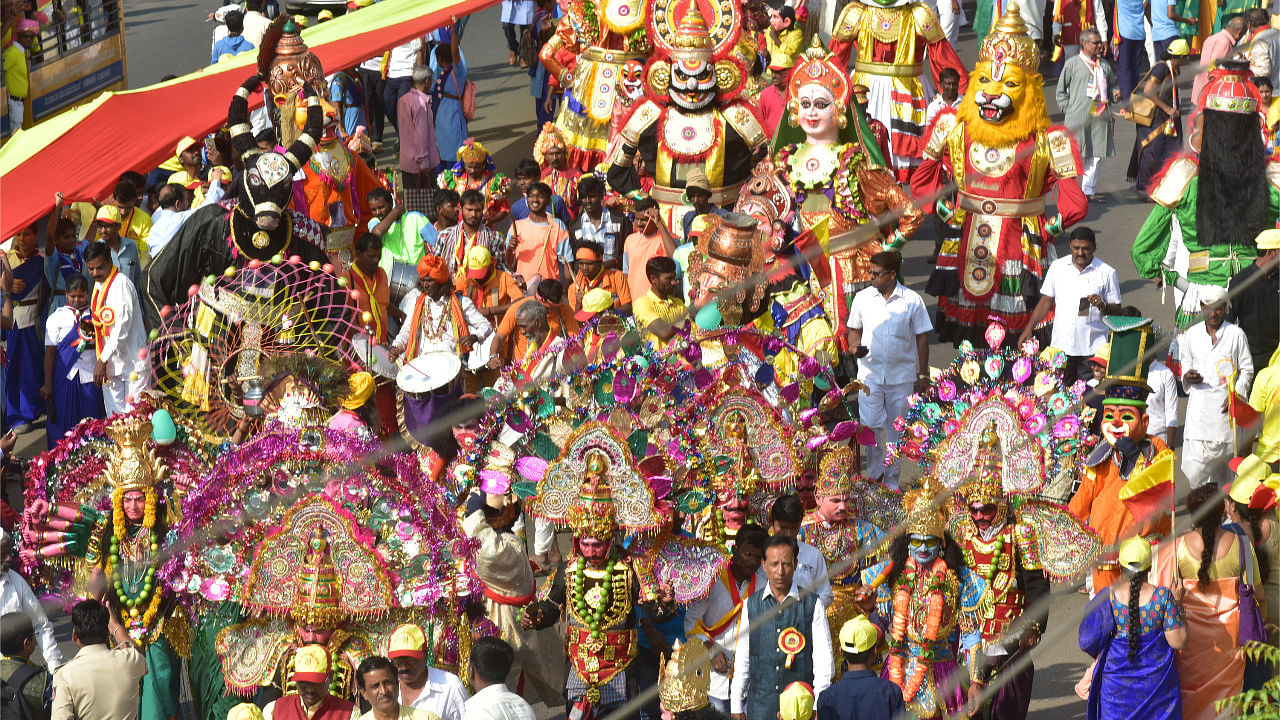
816,65
684,679
135,466
836,470
925,514
985,482
1010,44
549,137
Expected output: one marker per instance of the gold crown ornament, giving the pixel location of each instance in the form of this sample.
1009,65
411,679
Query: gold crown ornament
925,514
816,65
319,599
837,468
134,466
684,679
1009,43
985,484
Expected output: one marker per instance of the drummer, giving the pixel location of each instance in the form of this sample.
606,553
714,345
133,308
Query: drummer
440,321
372,297
491,288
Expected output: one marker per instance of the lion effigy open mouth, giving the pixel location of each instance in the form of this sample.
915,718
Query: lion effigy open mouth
994,108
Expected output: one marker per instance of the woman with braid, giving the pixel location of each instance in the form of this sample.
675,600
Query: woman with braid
1132,631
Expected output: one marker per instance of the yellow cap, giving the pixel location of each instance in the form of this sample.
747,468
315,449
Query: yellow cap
597,300
359,387
1268,239
245,711
108,213
311,664
324,15
300,20
1178,48
1251,472
1135,553
183,178
478,261
796,702
407,641
183,144
858,635
1103,353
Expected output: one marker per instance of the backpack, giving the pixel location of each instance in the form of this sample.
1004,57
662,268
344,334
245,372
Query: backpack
11,699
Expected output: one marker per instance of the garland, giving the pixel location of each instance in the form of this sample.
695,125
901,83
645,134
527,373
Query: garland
610,608
935,579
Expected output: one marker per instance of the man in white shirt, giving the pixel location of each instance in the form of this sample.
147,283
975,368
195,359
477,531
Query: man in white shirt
255,23
376,677
1080,290
715,617
422,686
889,331
1214,353
175,206
784,619
120,335
1162,403
948,91
785,518
16,596
491,660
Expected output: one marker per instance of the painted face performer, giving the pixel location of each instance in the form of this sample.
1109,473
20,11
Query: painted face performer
892,38
594,488
692,117
833,168
1004,158
1129,463
257,225
585,57
928,599
1218,219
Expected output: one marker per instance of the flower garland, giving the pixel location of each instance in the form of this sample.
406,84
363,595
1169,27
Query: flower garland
933,591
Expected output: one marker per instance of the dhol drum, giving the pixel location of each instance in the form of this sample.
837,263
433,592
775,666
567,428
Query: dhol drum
374,358
428,372
403,279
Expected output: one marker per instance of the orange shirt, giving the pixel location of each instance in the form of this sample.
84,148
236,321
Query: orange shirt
380,289
641,248
560,318
500,289
615,281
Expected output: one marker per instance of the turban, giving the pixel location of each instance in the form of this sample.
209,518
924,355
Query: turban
433,267
359,387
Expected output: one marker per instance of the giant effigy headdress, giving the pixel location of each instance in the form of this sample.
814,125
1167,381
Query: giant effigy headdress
690,33
1010,44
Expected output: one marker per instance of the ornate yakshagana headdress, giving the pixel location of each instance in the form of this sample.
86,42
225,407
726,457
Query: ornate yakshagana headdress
816,65
684,679
1010,44
836,470
925,514
1229,90
985,483
690,33
135,466
550,137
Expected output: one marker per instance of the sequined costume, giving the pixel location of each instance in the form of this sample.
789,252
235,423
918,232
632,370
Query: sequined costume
892,39
495,186
585,57
1004,159
691,117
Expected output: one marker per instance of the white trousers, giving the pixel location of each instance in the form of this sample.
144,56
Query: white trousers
878,411
544,533
950,20
1205,461
120,394
1089,179
17,111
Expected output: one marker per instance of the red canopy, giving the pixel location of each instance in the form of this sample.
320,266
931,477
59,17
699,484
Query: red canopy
83,151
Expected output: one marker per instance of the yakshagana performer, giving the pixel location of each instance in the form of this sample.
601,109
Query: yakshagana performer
1005,159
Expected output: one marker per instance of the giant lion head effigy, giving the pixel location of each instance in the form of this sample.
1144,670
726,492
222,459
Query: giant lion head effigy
1005,99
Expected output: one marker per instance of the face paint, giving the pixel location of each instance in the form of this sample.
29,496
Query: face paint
1123,421
924,548
693,84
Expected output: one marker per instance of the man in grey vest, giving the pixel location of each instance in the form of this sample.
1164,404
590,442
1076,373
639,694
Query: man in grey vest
782,637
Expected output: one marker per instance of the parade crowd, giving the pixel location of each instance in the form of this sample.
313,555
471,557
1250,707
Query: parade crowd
343,419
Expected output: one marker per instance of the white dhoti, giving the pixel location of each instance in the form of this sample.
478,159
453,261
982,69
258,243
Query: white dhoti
877,411
120,394
1205,461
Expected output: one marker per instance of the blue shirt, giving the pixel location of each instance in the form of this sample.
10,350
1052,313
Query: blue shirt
1129,19
1162,26
230,45
860,695
686,225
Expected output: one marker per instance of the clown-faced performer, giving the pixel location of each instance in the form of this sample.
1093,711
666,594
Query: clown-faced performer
691,117
836,175
1003,548
891,39
1128,453
928,601
1004,158
834,530
595,489
256,225
1202,235
585,57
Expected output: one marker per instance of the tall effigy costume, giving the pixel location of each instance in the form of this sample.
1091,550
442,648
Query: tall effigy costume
256,225
838,183
890,40
81,537
1126,487
1005,159
1203,234
692,116
585,57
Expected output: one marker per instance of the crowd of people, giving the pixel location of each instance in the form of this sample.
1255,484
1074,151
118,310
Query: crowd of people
343,419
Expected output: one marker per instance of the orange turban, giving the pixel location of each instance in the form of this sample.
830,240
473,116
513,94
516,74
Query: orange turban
434,268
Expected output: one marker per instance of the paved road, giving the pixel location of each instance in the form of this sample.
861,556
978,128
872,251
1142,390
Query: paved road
164,37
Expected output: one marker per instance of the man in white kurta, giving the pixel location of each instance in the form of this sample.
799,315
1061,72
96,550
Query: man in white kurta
16,597
121,341
1215,363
